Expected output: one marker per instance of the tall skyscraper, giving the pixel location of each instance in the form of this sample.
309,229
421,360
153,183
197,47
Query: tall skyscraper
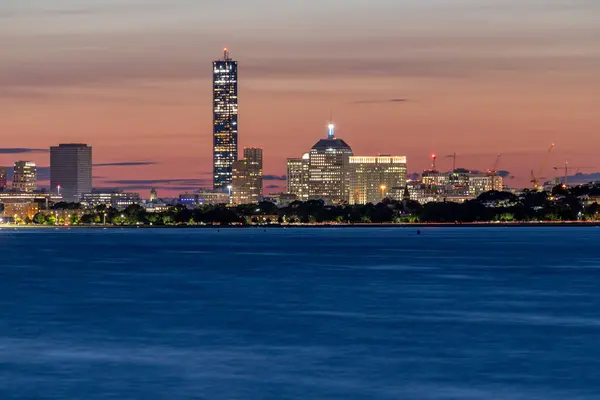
2,178
71,170
297,176
327,171
225,120
24,177
247,182
372,178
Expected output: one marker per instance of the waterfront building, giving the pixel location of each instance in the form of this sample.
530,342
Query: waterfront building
47,198
24,177
372,178
203,197
461,183
247,182
2,178
20,205
21,210
435,178
225,120
327,169
71,170
282,199
588,200
297,176
155,207
115,199
481,183
422,192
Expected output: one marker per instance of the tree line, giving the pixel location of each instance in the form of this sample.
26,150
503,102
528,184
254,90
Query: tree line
560,204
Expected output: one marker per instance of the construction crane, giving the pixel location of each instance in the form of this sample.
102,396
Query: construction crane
494,171
566,168
535,179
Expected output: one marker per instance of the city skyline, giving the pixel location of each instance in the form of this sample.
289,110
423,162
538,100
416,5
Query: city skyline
132,79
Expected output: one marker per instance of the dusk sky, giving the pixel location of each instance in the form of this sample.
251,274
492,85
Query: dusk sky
132,78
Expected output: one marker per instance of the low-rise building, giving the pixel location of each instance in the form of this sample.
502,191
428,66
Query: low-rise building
21,210
45,200
481,183
458,185
424,193
282,199
116,199
204,197
155,206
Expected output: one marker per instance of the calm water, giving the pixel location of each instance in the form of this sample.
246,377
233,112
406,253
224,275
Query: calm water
300,314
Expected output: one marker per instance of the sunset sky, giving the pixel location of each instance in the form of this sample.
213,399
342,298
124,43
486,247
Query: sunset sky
132,78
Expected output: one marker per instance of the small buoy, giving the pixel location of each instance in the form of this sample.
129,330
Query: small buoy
418,232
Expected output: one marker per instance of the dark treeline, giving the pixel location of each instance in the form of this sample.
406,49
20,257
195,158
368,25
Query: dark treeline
559,205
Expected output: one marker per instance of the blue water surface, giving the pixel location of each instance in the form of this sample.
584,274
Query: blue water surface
361,313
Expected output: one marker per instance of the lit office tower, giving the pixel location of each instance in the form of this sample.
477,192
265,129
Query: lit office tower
247,178
327,173
372,178
297,176
24,177
225,120
71,170
2,178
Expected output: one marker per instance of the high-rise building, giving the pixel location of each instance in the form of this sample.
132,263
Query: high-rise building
327,170
225,120
372,178
247,183
2,178
297,176
71,170
24,177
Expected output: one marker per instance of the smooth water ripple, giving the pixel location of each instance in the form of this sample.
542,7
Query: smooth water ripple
361,313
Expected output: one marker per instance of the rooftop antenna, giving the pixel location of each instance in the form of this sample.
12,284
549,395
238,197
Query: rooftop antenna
331,126
330,131
226,55
433,157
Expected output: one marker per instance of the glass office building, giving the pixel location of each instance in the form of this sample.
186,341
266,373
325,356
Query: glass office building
225,120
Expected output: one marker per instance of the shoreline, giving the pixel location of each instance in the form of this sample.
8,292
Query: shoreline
322,226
